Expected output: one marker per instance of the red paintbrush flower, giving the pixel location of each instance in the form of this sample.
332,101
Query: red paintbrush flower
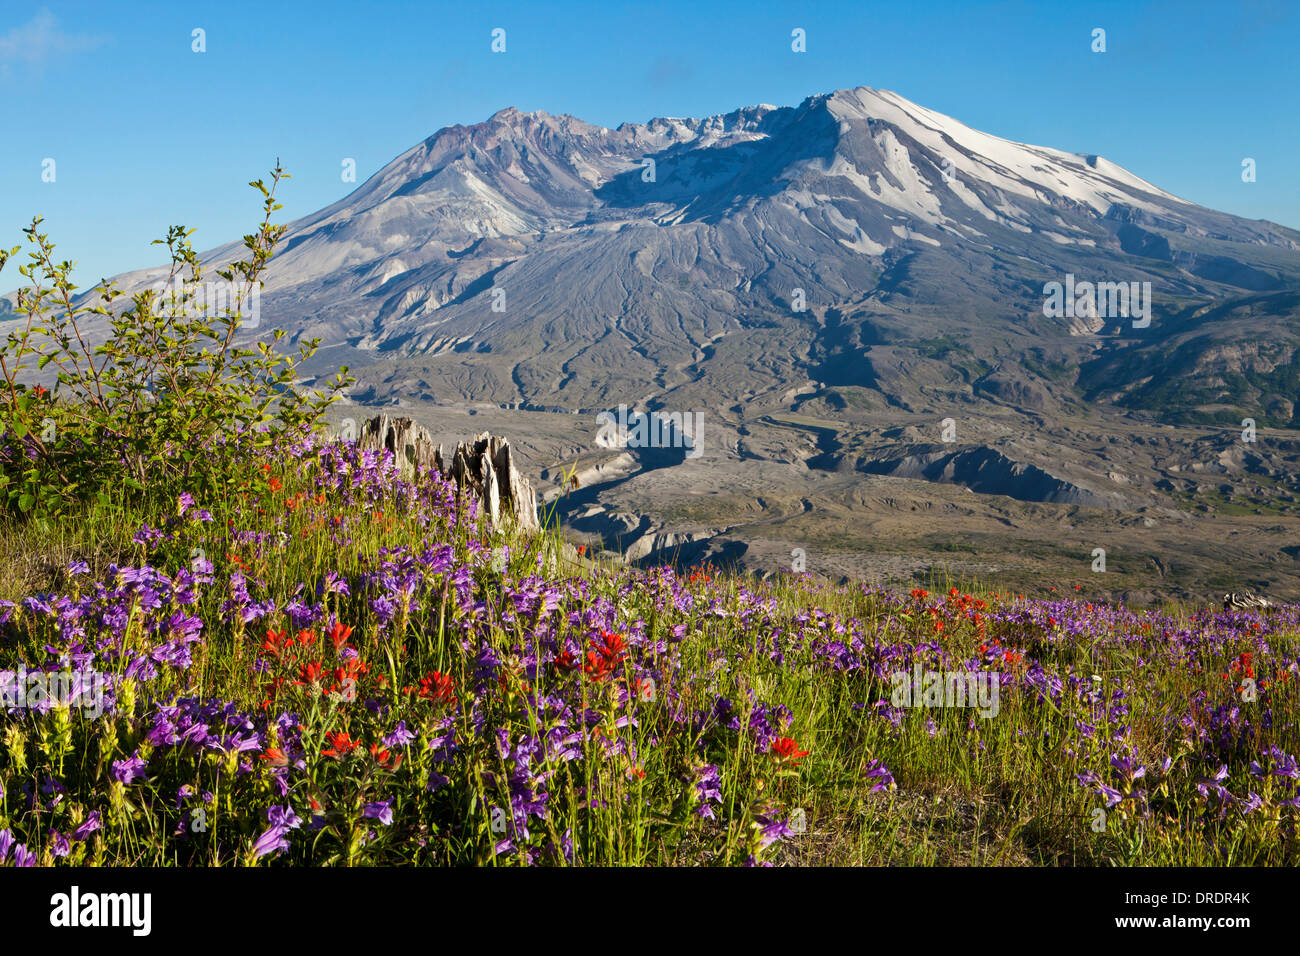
385,759
597,667
350,671
438,687
787,751
310,673
341,744
612,647
274,643
275,757
338,634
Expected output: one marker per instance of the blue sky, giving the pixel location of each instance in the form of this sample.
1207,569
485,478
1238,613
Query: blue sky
146,133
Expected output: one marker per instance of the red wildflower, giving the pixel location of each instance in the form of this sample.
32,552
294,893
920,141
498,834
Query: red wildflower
350,671
340,744
597,666
275,757
612,647
338,634
438,687
310,673
274,643
385,759
786,750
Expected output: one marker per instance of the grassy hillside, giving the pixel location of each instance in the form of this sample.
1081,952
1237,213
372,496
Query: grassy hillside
332,665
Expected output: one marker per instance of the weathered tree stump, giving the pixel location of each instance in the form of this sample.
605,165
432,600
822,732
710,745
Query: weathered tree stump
1246,601
484,466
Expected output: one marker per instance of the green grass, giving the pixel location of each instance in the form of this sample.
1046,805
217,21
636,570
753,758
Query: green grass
965,790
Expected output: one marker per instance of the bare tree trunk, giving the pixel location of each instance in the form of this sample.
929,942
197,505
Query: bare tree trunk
484,466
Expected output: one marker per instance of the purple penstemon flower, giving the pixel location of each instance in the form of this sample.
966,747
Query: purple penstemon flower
380,810
399,737
708,788
769,829
332,583
283,817
275,838
130,770
90,825
877,771
272,840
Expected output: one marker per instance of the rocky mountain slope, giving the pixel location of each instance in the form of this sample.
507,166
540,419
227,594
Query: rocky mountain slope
541,261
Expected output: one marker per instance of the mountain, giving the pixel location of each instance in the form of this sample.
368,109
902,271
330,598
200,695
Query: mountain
828,282
899,224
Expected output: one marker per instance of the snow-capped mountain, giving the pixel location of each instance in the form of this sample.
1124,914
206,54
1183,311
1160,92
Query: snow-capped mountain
540,260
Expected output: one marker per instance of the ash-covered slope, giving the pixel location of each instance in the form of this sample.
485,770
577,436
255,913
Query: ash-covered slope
542,261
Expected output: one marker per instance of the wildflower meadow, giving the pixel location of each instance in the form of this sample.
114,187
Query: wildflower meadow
335,665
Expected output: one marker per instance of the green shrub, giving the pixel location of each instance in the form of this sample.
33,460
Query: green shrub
166,401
